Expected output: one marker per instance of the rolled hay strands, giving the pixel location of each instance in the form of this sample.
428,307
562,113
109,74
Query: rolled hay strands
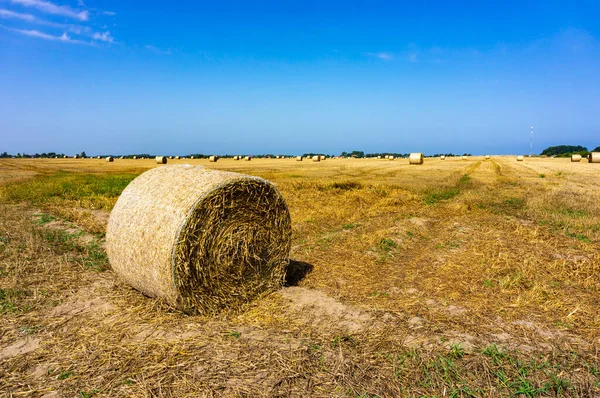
520,158
415,158
213,158
299,158
219,239
594,157
316,158
248,158
575,157
161,160
110,159
442,157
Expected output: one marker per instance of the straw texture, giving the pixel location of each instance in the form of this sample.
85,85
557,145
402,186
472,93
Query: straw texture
594,157
415,158
201,239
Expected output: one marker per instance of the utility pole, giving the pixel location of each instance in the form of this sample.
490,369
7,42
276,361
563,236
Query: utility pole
531,143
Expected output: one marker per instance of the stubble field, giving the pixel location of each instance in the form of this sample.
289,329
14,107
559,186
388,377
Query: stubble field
453,278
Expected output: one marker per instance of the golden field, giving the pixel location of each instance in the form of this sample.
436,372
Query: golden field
452,278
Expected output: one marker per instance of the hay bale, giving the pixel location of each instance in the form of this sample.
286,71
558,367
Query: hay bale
161,160
248,158
379,157
110,159
299,158
594,157
487,157
321,157
520,158
575,158
415,158
465,158
316,158
192,157
200,239
442,157
177,157
391,157
213,158
135,157
76,157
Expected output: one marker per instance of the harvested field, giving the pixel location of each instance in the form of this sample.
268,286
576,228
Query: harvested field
456,278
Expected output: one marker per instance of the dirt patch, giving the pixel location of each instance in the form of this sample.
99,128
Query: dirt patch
20,347
317,308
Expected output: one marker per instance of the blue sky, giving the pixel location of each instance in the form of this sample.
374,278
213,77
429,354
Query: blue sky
293,77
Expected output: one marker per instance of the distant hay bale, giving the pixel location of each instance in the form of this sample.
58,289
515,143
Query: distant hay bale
594,157
161,160
76,157
520,158
442,157
201,239
321,157
575,158
391,157
110,159
121,157
316,158
237,157
213,158
379,157
248,158
135,157
487,156
465,158
192,157
299,158
99,157
415,158
177,157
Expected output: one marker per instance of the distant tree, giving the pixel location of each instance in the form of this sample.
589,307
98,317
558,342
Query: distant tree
597,149
83,155
565,150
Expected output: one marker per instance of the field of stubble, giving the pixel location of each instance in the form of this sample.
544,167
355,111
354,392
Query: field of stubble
454,278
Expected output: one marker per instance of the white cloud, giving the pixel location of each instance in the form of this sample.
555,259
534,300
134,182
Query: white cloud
157,50
103,37
412,58
16,15
41,35
381,55
51,8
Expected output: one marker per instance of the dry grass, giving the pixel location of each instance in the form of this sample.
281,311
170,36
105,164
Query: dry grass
456,278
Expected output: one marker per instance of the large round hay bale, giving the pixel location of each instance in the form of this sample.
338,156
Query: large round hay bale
248,158
415,158
594,157
465,158
487,157
213,158
576,157
299,158
110,159
442,157
316,158
161,160
177,157
201,239
520,158
390,157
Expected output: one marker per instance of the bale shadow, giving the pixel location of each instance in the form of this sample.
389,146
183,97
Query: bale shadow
295,272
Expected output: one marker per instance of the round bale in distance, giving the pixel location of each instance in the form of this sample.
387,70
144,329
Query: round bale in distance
465,157
299,158
213,158
110,159
487,157
316,158
594,157
248,158
520,158
161,160
202,240
415,158
575,157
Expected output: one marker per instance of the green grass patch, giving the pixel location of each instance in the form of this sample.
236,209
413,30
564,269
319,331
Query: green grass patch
9,299
99,189
439,195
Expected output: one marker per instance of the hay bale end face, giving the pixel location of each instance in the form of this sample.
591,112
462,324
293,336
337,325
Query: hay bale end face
161,160
415,158
520,158
594,157
575,158
201,239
